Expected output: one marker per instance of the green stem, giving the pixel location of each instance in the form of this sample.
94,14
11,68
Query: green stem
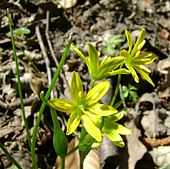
63,163
10,158
18,79
82,157
116,91
121,96
43,105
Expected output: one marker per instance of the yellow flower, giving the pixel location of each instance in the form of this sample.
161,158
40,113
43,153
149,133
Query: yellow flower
84,108
100,69
135,60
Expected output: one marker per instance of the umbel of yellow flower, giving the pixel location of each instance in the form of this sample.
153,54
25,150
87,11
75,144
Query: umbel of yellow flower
84,108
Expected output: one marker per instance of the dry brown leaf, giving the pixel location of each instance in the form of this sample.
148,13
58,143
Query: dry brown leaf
136,149
72,161
92,160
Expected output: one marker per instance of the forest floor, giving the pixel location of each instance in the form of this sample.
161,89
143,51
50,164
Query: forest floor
98,22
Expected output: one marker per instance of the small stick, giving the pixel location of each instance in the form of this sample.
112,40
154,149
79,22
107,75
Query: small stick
48,38
50,45
43,49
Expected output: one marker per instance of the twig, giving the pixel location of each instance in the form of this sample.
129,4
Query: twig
48,38
43,49
50,45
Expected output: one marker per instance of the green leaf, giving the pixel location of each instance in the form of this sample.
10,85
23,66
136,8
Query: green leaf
73,122
62,105
20,32
97,92
112,43
85,142
102,110
125,91
133,96
60,142
91,128
76,87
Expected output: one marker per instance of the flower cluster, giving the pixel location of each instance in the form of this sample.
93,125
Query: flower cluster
86,109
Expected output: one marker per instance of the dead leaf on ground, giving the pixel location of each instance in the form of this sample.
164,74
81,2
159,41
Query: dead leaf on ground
72,161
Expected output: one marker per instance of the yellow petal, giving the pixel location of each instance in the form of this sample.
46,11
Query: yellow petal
102,110
121,129
73,123
91,128
133,72
97,92
76,50
129,39
93,56
76,86
145,76
62,105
